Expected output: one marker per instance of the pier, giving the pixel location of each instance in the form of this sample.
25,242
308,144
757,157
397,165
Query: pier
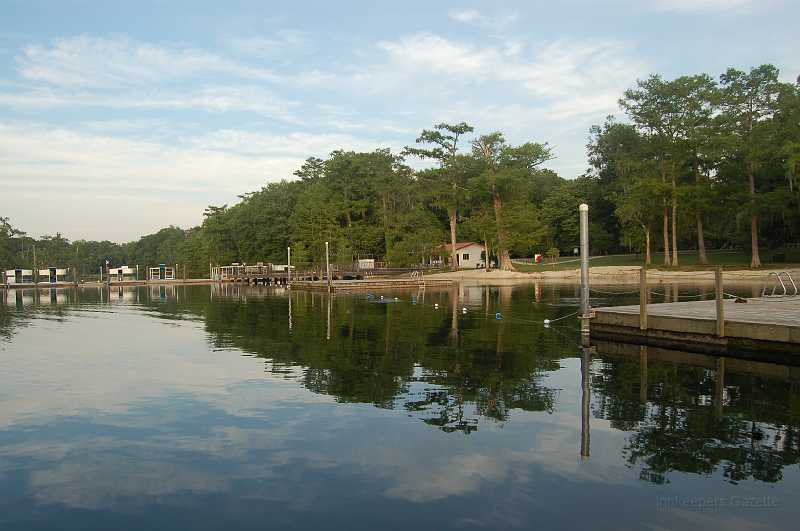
745,325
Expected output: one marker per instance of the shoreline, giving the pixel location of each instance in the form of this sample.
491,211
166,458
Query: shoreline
614,275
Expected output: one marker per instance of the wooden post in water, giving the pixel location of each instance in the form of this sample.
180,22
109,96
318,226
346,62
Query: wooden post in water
328,265
586,360
643,298
583,211
289,273
720,299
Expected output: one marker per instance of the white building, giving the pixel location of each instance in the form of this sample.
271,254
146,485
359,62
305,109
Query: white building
121,274
52,275
18,276
162,272
469,255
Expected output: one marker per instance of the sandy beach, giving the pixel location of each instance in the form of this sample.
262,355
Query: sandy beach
613,275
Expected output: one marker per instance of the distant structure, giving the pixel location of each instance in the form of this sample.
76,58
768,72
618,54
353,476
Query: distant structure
14,277
469,255
53,275
122,274
162,272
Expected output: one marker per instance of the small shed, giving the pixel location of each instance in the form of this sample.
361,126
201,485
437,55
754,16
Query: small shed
162,272
18,276
52,275
469,255
366,263
121,273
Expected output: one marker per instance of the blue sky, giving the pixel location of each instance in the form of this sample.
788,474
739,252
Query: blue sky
118,118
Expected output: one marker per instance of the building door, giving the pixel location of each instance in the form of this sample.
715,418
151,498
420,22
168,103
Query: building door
53,277
18,276
162,272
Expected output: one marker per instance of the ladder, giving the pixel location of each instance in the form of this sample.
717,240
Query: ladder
782,280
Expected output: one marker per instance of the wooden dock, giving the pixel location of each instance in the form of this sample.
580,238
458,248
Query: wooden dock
764,323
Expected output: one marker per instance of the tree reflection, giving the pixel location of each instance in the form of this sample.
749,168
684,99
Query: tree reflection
737,418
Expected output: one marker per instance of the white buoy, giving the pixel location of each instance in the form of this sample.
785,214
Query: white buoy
436,305
547,321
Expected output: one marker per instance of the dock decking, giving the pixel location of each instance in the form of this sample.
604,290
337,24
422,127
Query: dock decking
766,323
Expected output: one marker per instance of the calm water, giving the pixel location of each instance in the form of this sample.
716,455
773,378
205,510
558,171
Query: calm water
240,408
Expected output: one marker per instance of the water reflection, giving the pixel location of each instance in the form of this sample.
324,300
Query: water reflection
198,406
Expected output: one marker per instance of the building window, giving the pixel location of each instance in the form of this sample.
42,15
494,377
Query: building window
465,256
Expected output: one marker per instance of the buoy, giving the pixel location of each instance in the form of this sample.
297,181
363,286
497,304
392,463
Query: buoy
547,321
381,297
498,316
436,305
396,299
413,300
464,309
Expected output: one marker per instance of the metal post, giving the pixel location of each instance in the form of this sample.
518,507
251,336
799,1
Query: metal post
328,265
643,298
720,307
583,209
289,271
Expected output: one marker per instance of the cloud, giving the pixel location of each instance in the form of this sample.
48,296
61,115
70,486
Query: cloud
90,177
475,17
282,41
703,5
464,15
98,62
557,73
209,98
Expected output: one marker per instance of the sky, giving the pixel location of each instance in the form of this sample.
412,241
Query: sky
119,118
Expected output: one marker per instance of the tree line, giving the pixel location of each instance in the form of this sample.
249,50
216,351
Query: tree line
698,163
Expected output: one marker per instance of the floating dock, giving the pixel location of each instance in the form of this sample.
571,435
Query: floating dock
749,325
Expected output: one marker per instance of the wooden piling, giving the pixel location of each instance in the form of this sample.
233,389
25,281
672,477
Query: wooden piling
720,299
643,298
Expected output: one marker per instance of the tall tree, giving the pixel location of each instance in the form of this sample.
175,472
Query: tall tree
448,183
505,168
696,133
656,107
748,104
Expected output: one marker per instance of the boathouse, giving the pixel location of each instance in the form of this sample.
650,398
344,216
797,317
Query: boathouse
52,275
162,272
122,274
469,255
14,277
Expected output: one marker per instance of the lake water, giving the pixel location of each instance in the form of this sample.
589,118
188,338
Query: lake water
231,407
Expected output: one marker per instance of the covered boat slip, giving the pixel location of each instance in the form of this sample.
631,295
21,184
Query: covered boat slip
726,327
123,274
51,276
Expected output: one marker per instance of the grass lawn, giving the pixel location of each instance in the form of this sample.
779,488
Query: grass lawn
687,262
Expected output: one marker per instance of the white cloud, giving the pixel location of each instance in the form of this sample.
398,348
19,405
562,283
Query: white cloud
97,62
282,41
464,15
94,175
494,21
568,77
210,98
703,5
